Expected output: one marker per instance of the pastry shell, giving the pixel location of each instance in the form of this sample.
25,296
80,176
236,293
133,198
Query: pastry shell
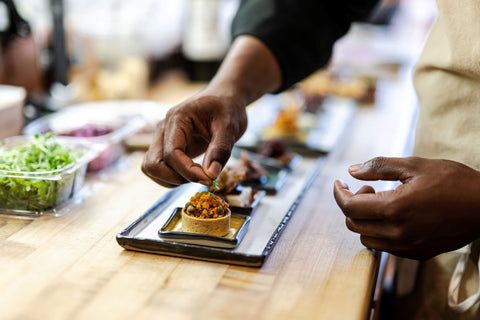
214,226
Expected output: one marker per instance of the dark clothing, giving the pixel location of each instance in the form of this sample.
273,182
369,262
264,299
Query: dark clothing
300,33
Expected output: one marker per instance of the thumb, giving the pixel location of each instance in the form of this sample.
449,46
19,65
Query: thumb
381,168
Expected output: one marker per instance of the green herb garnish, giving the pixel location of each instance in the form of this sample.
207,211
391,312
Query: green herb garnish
215,185
32,193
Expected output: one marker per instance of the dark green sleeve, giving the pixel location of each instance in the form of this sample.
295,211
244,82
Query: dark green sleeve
300,33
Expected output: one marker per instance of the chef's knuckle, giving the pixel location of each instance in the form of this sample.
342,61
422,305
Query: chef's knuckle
350,224
398,233
222,151
346,206
393,210
366,242
150,166
146,167
376,163
168,157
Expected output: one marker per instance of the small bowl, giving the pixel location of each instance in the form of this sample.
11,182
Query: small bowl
215,226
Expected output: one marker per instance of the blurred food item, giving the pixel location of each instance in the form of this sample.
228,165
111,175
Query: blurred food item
87,131
128,79
227,181
241,197
286,126
228,187
12,100
107,156
287,120
342,84
140,140
276,149
248,170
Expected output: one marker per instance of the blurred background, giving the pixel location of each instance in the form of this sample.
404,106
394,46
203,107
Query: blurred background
63,52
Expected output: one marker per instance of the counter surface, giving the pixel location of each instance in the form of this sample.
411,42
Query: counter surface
71,267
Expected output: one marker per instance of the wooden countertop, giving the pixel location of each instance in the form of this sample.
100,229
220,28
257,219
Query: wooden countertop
71,267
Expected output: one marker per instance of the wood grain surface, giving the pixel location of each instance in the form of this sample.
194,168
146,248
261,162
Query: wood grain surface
71,267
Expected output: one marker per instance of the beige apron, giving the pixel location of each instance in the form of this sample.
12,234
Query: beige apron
447,79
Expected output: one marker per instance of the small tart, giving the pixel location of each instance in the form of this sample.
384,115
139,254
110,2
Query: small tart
206,213
212,226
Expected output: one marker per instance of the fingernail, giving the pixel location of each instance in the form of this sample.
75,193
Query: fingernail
344,185
214,170
355,167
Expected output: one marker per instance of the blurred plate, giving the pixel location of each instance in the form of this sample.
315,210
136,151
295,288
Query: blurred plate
320,132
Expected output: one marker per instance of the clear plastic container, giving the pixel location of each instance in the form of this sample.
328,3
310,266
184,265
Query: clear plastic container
105,114
37,193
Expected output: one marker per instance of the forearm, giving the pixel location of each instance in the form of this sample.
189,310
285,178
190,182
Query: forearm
300,33
248,71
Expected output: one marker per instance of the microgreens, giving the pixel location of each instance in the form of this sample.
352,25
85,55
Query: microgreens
41,154
215,185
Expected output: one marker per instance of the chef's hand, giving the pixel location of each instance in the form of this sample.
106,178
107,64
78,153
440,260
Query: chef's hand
436,208
213,120
206,123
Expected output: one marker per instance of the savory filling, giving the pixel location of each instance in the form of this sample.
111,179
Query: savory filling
206,205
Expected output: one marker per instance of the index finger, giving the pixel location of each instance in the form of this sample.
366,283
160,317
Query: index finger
368,206
155,167
176,139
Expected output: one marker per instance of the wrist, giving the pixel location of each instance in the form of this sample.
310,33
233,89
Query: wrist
227,92
248,71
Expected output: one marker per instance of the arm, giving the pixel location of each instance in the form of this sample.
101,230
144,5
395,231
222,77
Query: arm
436,208
301,34
273,48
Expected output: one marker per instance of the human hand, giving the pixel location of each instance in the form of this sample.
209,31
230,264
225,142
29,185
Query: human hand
213,120
205,123
436,208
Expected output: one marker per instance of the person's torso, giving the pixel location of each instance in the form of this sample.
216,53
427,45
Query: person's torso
447,79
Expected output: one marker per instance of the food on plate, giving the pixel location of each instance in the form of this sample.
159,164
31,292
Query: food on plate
249,170
206,213
276,149
228,187
286,126
26,172
337,83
